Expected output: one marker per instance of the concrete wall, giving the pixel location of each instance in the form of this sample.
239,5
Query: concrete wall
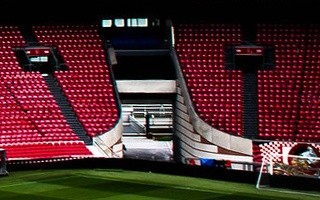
146,86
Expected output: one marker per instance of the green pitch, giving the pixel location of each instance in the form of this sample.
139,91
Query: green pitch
99,184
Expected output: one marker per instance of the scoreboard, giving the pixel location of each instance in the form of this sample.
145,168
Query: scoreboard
38,54
249,57
249,51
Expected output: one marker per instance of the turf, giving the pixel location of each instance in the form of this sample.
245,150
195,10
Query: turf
99,184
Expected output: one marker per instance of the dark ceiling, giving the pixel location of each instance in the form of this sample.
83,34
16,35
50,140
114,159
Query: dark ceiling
44,10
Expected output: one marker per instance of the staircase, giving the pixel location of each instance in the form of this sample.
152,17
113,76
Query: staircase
269,58
250,105
67,110
28,35
229,58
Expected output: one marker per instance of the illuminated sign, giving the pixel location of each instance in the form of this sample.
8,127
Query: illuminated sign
38,54
249,51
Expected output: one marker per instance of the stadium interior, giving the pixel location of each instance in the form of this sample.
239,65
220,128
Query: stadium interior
226,81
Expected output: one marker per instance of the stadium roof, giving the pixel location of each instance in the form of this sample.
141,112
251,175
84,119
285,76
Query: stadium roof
251,9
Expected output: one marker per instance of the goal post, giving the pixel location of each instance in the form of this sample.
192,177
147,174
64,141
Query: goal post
3,163
264,173
293,166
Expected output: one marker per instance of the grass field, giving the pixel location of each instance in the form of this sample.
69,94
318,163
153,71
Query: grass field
99,184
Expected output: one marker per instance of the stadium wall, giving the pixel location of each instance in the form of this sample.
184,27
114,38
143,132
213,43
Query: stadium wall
196,139
110,142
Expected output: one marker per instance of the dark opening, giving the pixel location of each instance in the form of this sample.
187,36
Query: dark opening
248,63
143,67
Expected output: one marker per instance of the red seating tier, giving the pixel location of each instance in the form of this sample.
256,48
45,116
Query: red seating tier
288,94
87,84
43,150
29,113
215,91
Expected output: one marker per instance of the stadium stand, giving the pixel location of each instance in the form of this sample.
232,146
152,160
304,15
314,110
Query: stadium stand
215,91
308,124
87,83
278,89
33,120
30,115
289,93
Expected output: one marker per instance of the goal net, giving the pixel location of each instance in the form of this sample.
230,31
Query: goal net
306,165
3,164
